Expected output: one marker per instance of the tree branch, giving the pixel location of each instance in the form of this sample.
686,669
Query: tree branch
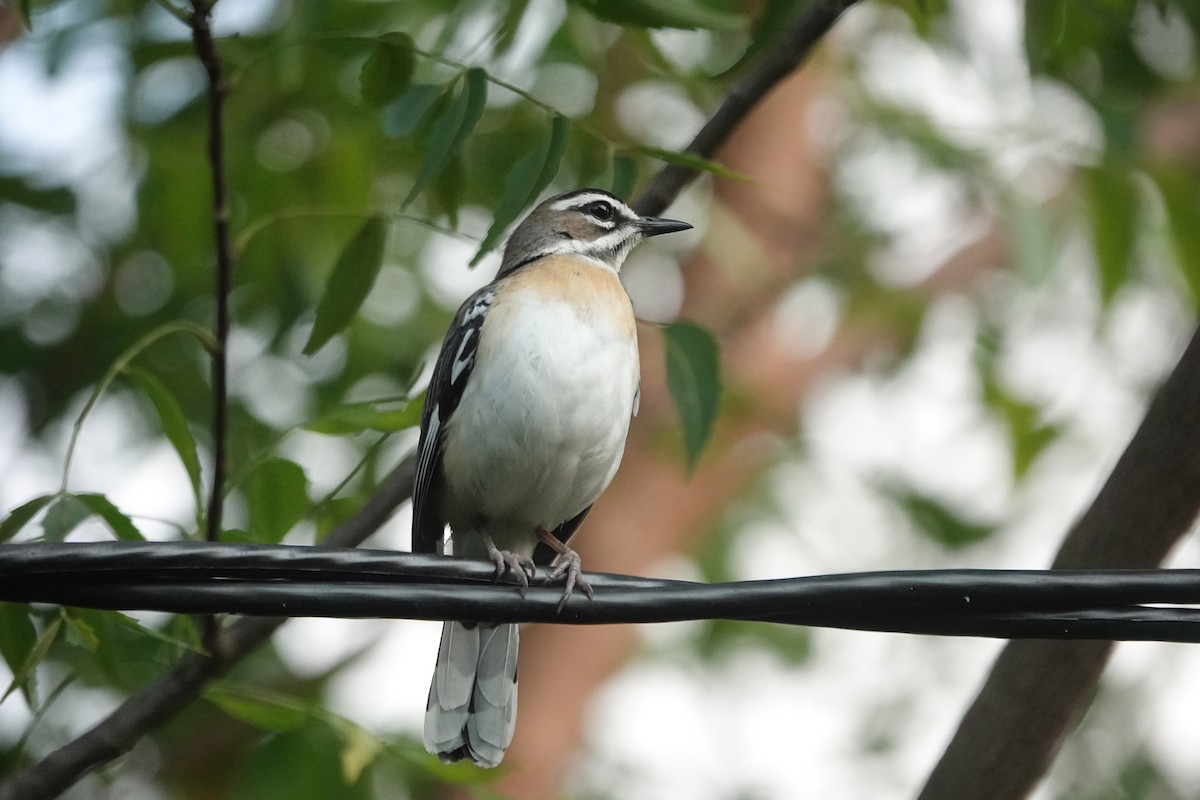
787,55
1037,691
200,22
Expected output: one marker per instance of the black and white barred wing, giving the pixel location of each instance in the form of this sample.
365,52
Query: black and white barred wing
450,375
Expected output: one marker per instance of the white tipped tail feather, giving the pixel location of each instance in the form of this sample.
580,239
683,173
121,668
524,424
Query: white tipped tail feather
472,710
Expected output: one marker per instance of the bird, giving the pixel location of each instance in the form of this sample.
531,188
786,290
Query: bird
523,428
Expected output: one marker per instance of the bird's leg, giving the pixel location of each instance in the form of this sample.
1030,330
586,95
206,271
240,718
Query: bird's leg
569,567
508,561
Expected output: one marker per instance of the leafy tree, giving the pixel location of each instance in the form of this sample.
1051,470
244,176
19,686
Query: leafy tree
370,151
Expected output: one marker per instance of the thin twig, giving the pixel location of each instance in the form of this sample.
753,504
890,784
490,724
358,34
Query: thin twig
789,54
120,365
206,49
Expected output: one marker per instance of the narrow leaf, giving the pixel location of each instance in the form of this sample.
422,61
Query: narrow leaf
405,116
388,69
24,676
694,380
1182,201
21,515
624,176
1113,202
63,517
17,639
451,129
360,747
262,709
25,13
277,492
661,14
173,422
693,162
349,283
445,193
936,520
358,417
524,182
80,627
95,629
121,525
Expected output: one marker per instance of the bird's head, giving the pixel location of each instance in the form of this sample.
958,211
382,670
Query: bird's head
589,223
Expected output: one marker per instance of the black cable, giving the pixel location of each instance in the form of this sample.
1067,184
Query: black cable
187,577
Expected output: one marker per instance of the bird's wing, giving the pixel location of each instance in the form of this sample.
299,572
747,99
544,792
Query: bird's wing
450,375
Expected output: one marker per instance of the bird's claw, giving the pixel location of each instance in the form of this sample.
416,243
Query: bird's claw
507,561
570,569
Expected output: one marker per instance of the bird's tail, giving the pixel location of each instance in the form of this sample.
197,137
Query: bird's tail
472,708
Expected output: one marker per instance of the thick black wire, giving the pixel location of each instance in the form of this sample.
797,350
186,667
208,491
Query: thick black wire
186,577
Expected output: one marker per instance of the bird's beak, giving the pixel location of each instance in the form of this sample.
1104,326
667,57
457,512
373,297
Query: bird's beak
653,226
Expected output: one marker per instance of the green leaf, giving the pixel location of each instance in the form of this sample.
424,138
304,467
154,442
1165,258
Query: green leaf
21,515
63,517
1114,205
121,525
277,493
524,182
23,678
110,646
661,14
370,416
18,636
81,626
451,129
1046,31
445,193
59,200
349,283
360,747
772,21
1182,201
270,711
174,424
1028,433
624,176
506,34
388,69
693,162
935,520
694,380
403,117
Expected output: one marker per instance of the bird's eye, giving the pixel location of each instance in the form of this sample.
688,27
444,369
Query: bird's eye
600,210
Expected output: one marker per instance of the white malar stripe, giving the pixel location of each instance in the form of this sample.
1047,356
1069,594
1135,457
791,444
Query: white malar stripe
621,241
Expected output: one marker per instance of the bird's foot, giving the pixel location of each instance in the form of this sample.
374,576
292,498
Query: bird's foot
569,567
507,561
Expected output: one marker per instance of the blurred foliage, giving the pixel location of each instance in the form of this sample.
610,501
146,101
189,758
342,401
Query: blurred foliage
365,142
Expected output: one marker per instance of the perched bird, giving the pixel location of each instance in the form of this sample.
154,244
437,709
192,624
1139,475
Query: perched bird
524,426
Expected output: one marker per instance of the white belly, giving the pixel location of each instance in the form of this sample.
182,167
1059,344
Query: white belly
541,427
